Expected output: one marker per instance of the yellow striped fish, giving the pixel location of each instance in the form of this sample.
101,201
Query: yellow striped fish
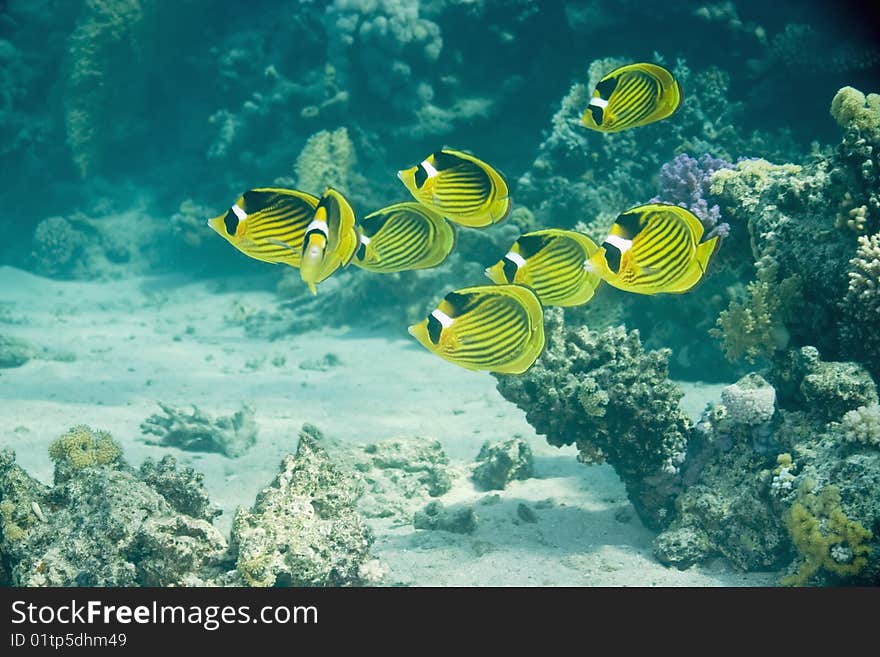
330,240
551,262
630,96
268,224
402,237
459,186
653,249
499,328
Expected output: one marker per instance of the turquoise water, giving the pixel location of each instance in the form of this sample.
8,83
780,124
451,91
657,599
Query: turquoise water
155,379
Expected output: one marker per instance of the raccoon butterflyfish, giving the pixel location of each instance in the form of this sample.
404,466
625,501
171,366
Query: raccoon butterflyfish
330,240
268,224
551,262
653,249
459,186
499,328
401,237
632,95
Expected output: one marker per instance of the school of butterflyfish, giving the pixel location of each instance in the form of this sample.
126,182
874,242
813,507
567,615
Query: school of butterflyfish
651,249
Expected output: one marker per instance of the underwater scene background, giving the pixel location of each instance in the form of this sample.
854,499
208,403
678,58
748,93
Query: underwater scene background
176,413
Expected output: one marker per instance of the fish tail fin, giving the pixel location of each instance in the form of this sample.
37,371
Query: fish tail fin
705,251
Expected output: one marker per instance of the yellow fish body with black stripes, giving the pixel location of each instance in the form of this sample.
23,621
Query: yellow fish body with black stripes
499,328
268,224
551,262
631,96
653,249
330,239
402,237
460,187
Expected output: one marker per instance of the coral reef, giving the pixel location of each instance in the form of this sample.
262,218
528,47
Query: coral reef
603,392
799,246
101,524
796,491
303,529
500,463
101,46
826,390
437,517
230,435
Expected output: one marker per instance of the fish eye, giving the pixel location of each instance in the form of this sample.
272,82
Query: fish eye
231,222
612,256
435,328
421,176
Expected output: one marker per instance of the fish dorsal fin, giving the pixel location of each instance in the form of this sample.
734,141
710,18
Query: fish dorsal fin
446,159
530,244
628,224
456,303
606,87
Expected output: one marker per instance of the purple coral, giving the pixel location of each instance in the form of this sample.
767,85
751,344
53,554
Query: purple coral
685,182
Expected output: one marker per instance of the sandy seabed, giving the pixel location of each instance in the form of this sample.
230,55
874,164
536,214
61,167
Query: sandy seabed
114,349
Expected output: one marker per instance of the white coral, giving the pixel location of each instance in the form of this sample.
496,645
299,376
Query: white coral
750,401
861,425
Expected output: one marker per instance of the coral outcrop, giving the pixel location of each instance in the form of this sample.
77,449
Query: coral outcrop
102,523
603,392
303,529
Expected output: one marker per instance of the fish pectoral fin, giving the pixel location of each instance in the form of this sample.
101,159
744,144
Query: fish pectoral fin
281,244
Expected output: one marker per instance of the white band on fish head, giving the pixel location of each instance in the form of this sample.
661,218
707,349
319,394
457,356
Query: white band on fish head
429,169
444,319
598,101
623,245
238,212
317,224
515,258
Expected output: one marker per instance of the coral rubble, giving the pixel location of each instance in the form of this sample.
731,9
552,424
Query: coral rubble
500,463
196,431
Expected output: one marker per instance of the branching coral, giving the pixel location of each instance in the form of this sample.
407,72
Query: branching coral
605,393
861,304
230,435
861,426
754,327
328,159
686,181
825,537
105,37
